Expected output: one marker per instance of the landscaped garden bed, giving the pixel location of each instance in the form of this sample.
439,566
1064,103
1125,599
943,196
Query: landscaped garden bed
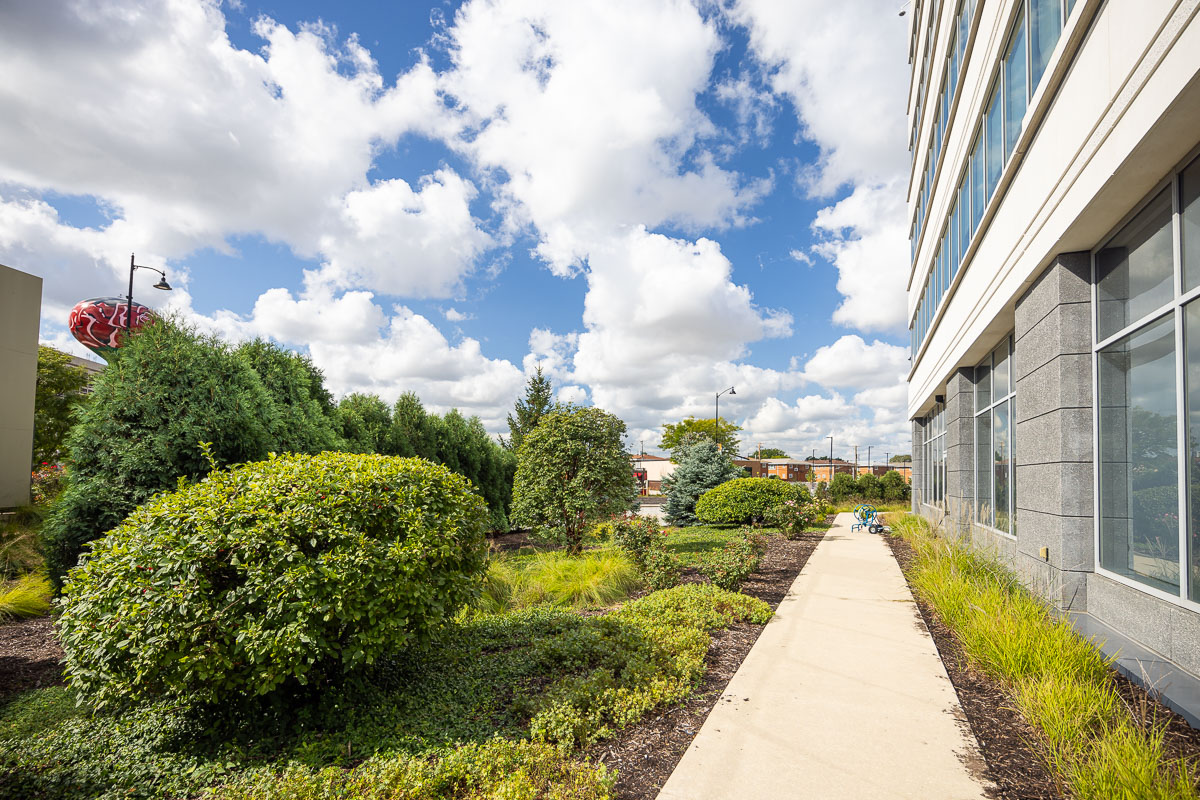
1052,719
573,690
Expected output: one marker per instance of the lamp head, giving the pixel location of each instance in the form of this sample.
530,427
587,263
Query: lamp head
162,284
731,390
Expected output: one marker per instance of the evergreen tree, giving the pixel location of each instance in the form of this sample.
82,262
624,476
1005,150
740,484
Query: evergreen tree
366,422
537,404
58,396
306,420
702,466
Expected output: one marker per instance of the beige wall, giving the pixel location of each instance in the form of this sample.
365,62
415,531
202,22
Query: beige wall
20,314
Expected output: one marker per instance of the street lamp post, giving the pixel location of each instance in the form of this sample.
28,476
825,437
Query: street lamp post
830,438
717,414
869,460
162,284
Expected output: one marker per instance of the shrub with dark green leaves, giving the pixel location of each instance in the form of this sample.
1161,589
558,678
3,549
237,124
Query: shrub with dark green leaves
746,500
842,487
272,574
729,567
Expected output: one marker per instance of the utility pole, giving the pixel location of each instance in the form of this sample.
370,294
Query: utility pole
830,459
869,460
856,462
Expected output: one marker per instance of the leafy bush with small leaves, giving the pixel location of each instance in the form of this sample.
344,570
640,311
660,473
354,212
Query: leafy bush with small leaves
497,769
644,542
729,567
793,517
894,487
636,536
572,471
564,678
274,573
843,486
746,500
662,569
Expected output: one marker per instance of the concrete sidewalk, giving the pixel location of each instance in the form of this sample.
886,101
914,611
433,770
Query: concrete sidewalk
842,696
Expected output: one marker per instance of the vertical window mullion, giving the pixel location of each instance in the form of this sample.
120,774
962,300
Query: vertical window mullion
1181,390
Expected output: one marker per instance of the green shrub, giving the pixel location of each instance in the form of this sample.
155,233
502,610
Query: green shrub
702,466
165,391
868,487
27,596
592,580
305,418
729,567
636,536
645,543
565,677
497,769
894,487
842,487
662,569
793,517
271,573
745,500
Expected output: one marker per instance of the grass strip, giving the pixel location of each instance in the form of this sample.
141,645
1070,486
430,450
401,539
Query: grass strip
1060,683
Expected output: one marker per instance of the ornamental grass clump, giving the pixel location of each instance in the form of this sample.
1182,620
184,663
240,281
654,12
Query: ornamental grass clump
1060,683
591,580
282,572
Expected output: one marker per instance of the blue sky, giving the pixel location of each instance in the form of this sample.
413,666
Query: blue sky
654,199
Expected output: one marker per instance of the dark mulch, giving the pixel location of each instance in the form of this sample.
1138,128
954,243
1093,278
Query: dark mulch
646,754
29,655
1010,746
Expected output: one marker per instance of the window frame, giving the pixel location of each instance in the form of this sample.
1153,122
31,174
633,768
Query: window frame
1008,400
1176,308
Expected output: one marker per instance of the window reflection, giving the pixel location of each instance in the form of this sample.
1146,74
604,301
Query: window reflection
1134,271
1139,492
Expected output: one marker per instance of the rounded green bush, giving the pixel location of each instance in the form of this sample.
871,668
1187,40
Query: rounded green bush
287,571
745,500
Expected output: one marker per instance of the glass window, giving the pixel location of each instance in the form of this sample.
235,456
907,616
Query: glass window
983,385
964,219
1045,25
1191,330
978,198
1189,205
1135,270
1139,468
983,468
1001,385
964,27
994,126
1012,457
1015,88
1001,435
953,58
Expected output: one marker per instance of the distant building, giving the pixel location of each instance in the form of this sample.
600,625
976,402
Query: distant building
649,472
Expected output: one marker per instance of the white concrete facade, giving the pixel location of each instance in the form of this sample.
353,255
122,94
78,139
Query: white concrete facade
20,314
1117,109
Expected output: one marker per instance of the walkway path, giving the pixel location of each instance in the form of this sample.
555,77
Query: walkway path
842,696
